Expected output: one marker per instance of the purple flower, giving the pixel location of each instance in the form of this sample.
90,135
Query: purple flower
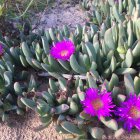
63,50
129,112
97,104
1,50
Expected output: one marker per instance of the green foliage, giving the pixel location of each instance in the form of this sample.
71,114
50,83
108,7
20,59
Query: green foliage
18,8
106,52
13,86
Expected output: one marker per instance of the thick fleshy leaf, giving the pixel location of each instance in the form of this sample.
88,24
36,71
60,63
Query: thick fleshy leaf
72,128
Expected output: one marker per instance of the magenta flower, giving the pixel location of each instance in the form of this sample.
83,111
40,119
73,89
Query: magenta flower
63,50
129,112
1,50
97,104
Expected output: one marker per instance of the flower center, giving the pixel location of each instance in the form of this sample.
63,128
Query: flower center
97,104
64,53
134,112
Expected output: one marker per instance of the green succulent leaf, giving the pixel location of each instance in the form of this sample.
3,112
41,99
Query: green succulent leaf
8,78
137,84
91,81
29,103
32,84
61,130
61,109
73,108
26,50
136,51
112,123
53,85
129,83
48,98
113,64
23,61
109,39
129,59
75,66
17,88
91,52
63,83
113,82
46,119
71,128
45,45
125,71
96,132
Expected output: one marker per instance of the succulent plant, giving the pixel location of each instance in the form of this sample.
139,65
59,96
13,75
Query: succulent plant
103,57
13,85
62,104
99,51
85,4
63,108
112,10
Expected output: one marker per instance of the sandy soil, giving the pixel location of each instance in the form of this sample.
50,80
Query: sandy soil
59,15
22,128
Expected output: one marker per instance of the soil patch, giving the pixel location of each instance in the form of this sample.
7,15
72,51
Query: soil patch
22,128
60,15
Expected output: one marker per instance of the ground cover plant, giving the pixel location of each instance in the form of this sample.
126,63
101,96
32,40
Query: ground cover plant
92,72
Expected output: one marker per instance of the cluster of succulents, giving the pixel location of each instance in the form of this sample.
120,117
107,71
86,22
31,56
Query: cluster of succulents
93,73
13,84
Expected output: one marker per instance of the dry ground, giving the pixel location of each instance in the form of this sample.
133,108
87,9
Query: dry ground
22,128
60,15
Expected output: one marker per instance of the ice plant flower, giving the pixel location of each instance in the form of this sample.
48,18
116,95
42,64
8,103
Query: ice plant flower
97,103
63,50
129,112
1,50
